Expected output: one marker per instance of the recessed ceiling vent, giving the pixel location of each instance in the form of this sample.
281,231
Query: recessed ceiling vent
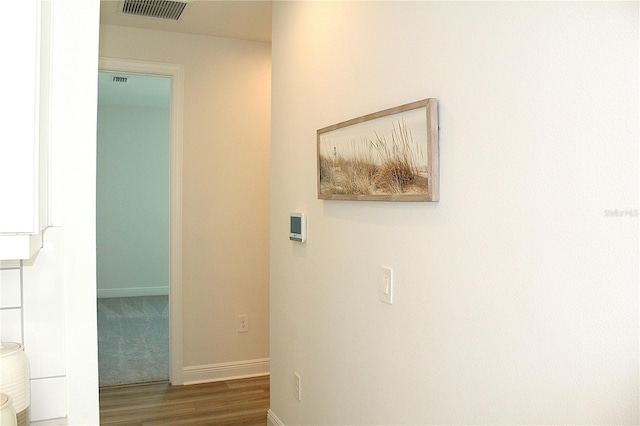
164,9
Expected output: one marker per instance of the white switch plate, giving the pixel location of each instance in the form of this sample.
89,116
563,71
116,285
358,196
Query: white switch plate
386,285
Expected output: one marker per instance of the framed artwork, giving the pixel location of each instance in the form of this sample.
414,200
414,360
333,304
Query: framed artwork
391,155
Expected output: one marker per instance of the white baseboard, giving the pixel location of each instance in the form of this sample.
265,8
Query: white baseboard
272,419
53,422
226,371
132,292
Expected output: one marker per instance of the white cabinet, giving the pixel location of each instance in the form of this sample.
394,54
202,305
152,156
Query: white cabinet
24,127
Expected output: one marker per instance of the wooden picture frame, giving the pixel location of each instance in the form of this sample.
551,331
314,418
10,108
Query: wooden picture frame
390,155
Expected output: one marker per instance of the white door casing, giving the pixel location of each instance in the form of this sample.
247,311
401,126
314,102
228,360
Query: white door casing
176,73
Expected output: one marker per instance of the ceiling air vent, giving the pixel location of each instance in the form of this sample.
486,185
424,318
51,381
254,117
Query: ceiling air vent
164,9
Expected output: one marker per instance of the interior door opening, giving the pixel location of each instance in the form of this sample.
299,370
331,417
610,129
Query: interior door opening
139,240
132,226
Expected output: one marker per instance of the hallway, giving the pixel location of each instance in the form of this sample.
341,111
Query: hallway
233,402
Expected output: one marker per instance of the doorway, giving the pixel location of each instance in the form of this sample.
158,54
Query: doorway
132,224
143,238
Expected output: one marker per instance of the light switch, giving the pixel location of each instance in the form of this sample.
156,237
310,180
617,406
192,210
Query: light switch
386,285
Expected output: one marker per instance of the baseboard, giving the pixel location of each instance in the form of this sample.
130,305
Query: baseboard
272,419
52,422
105,293
226,371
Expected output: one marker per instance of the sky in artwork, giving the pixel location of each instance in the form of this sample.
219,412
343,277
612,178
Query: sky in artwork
353,141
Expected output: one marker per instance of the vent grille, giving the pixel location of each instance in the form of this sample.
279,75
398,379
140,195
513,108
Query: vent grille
164,9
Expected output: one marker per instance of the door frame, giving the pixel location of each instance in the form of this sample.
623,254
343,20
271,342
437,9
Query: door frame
176,73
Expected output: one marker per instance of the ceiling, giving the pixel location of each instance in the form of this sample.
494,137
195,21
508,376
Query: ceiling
245,20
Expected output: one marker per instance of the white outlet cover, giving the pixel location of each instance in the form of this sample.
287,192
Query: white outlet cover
243,323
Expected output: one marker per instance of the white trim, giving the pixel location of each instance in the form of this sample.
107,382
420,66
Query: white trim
63,421
272,419
105,293
19,246
176,72
226,371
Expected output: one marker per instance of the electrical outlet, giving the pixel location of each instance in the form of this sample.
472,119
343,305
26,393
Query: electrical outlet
297,384
243,323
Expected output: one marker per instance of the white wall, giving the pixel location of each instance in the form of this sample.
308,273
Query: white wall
517,294
225,193
73,152
133,199
49,302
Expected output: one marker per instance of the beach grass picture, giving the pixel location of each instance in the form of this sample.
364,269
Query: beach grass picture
391,155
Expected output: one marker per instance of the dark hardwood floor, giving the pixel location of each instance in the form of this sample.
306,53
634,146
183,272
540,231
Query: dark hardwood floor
233,402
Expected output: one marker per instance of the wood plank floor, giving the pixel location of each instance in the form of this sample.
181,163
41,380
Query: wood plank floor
234,402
